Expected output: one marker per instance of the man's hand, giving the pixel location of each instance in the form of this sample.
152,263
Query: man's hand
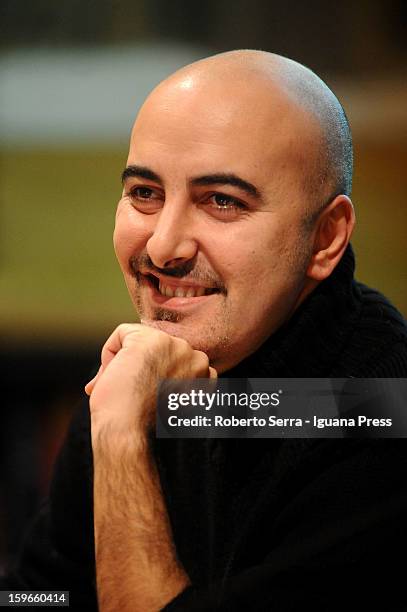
136,563
133,359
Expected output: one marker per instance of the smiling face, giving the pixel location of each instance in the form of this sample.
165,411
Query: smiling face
209,231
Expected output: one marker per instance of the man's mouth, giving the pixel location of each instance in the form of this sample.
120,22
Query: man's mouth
184,291
172,288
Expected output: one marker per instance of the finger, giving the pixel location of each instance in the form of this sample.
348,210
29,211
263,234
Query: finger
91,384
110,349
212,372
115,342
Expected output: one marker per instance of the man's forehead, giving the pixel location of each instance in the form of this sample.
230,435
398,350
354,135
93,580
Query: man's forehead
234,134
221,115
263,104
219,102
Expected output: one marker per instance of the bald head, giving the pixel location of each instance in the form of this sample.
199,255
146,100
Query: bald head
262,83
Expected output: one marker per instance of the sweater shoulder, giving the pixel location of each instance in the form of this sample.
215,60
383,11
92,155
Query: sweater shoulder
377,346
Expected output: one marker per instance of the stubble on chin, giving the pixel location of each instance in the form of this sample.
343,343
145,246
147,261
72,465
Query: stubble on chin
156,313
216,342
163,314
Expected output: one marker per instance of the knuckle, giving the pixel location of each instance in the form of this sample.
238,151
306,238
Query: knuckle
204,358
182,344
122,327
126,328
201,361
159,337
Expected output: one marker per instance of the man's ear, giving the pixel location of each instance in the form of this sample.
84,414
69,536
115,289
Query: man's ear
332,234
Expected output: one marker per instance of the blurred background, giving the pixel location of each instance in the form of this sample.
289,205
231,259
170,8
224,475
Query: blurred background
72,76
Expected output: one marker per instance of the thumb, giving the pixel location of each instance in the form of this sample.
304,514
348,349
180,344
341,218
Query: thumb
91,384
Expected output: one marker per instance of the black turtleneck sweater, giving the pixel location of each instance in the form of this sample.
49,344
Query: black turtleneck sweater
275,525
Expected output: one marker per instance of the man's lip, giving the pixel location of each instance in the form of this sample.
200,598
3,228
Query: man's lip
176,282
176,302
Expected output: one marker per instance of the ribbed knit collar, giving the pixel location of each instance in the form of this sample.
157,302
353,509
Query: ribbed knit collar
309,344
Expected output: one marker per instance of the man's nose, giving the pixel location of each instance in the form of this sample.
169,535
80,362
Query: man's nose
172,240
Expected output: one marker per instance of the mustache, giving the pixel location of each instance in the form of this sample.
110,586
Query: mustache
188,268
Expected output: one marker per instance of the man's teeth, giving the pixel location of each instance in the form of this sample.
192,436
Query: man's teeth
181,291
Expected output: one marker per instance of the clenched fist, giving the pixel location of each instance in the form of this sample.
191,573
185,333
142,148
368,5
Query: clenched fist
133,360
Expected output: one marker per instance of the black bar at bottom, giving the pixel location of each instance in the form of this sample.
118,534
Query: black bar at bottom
19,599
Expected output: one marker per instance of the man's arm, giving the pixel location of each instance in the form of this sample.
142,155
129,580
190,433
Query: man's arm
136,563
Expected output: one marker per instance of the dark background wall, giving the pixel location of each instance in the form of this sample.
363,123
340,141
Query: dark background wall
346,37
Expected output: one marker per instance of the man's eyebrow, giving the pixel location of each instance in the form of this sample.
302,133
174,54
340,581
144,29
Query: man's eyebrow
220,178
227,179
140,172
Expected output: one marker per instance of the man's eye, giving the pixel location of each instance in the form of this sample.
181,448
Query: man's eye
225,204
142,193
145,199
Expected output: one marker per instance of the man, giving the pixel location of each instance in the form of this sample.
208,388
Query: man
233,237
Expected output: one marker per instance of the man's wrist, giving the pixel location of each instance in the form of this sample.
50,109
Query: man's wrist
114,439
